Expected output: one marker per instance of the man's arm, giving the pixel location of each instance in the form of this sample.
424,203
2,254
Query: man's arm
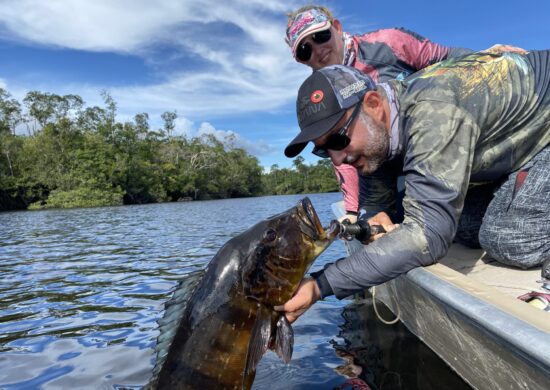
413,49
439,153
420,52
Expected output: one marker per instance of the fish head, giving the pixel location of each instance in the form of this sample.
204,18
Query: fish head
283,249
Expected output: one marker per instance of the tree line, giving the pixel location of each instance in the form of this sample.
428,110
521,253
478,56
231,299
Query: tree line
66,154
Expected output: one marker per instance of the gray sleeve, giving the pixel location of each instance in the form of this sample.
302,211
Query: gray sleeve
383,260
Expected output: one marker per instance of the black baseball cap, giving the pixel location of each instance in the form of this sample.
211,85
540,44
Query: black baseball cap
322,101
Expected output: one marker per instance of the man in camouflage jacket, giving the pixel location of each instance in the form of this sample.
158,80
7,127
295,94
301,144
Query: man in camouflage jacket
475,119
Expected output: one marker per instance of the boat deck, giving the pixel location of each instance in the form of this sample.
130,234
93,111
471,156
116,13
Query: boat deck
472,271
476,264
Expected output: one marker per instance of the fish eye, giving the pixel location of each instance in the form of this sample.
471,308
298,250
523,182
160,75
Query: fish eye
270,235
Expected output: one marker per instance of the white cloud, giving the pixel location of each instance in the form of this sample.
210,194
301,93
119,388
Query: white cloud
246,69
101,25
183,126
253,147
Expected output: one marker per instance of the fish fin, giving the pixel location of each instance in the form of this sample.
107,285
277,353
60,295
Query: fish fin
168,324
284,339
259,339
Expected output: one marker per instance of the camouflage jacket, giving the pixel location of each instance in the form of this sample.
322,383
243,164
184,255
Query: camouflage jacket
471,119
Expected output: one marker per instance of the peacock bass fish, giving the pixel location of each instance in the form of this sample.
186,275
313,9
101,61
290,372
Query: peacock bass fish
221,321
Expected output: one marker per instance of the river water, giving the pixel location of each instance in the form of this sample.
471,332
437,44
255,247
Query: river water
81,291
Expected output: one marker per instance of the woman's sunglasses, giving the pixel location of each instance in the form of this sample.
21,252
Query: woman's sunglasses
304,50
338,140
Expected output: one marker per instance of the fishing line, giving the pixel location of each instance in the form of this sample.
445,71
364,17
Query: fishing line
373,290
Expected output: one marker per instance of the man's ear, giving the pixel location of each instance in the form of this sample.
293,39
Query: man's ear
337,25
372,103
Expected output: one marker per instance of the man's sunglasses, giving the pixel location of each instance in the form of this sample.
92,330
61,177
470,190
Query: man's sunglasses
304,50
338,140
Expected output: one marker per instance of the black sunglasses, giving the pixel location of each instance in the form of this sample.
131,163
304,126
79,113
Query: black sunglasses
304,50
338,140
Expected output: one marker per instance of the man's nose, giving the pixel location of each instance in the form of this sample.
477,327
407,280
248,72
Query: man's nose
315,49
337,156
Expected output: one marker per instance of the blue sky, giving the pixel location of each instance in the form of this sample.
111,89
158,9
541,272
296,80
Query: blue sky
222,66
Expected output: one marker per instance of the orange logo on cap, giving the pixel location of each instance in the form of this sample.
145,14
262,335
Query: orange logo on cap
317,96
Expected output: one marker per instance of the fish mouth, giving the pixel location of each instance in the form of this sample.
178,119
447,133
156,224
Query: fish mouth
309,216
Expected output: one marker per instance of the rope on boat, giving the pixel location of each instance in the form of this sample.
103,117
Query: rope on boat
398,316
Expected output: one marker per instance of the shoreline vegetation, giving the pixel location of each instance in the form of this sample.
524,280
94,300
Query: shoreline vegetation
78,156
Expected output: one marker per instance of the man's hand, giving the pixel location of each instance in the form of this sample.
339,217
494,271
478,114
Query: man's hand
307,294
384,220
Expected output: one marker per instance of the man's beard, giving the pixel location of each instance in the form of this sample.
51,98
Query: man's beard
378,143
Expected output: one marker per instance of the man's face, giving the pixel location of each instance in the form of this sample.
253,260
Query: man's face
368,147
327,53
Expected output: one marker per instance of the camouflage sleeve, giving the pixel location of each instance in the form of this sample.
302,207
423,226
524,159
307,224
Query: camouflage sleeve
439,143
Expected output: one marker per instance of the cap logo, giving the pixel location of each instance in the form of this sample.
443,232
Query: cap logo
352,89
317,96
307,19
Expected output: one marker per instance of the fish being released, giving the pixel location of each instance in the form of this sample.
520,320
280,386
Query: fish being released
219,324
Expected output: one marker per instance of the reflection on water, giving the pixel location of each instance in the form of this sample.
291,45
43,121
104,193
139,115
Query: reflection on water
81,292
388,357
